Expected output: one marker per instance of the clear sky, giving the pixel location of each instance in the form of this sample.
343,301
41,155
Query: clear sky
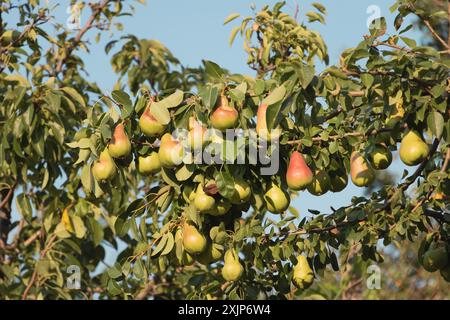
193,30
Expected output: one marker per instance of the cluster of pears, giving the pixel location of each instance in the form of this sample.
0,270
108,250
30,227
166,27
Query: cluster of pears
435,258
303,275
197,248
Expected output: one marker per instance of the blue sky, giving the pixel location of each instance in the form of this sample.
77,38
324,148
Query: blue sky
193,30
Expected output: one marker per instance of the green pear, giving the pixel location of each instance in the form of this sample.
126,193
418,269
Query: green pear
361,171
189,192
203,203
232,269
221,208
149,125
277,200
320,183
380,157
104,168
186,259
120,145
171,151
303,276
298,175
435,257
413,150
338,180
212,253
242,191
149,164
193,241
224,117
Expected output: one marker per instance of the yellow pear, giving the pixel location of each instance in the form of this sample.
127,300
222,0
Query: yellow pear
277,200
196,135
193,241
380,157
149,125
361,171
320,183
120,145
203,203
303,276
104,168
413,150
222,207
186,259
171,151
232,269
242,191
149,164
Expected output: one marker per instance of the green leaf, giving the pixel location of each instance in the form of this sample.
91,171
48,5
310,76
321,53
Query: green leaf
231,17
213,70
367,79
160,112
86,178
185,172
275,96
435,122
74,95
378,27
169,244
233,34
160,246
24,206
225,183
209,96
259,87
17,78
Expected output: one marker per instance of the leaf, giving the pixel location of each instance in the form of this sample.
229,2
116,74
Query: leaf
259,87
275,96
367,79
78,225
160,112
435,122
231,17
24,206
169,245
17,78
409,42
225,184
74,95
319,7
86,178
378,27
233,34
160,246
213,70
209,96
238,93
185,172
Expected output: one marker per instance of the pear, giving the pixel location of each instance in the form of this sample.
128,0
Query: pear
361,171
193,241
261,125
277,200
221,208
196,135
120,145
104,168
445,273
189,192
212,253
232,269
186,259
435,257
413,150
149,125
298,175
303,276
149,164
203,203
338,180
224,117
171,151
320,183
242,191
380,157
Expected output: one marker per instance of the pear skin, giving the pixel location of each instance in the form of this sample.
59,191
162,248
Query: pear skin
149,125
149,164
320,183
104,168
380,157
298,175
120,145
193,241
224,117
303,276
277,200
196,135
170,152
361,171
203,203
413,150
243,191
232,269
338,180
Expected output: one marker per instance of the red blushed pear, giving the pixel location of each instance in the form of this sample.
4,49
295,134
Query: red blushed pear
170,152
224,117
261,125
120,145
104,168
361,171
149,125
196,135
298,175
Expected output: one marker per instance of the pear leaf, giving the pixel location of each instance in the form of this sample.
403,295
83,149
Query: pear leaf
435,122
275,96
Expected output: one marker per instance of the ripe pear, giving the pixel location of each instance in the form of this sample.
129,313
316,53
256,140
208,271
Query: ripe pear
189,192
303,276
104,168
224,117
320,183
338,180
149,164
261,125
203,203
120,145
298,175
435,258
361,171
149,125
413,150
242,191
212,253
277,200
171,151
221,208
380,157
193,241
232,269
196,135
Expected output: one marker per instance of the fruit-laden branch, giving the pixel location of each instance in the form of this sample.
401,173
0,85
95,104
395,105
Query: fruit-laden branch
96,11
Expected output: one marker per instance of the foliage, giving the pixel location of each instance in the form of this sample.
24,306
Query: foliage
55,123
